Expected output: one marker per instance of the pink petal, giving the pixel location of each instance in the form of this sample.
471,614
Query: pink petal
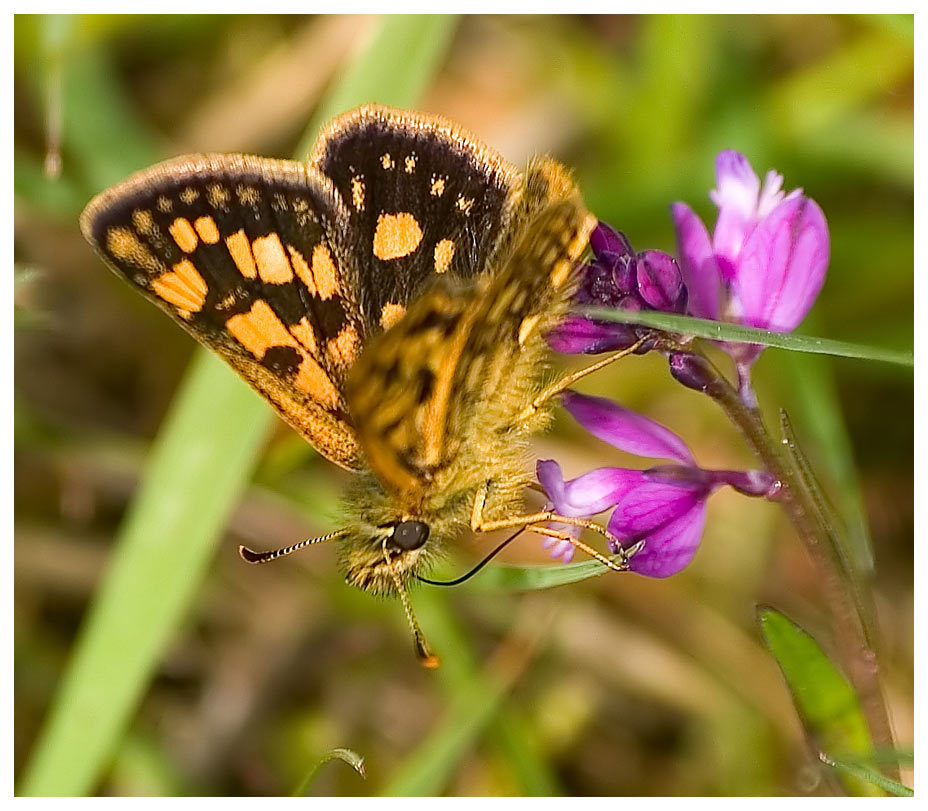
782,266
697,262
625,429
588,494
736,195
672,547
651,506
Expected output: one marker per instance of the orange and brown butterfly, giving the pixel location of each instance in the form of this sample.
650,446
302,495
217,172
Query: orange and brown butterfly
388,297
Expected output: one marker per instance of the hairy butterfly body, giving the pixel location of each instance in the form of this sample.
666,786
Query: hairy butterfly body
388,298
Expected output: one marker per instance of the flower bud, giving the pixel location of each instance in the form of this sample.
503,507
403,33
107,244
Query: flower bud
692,371
659,281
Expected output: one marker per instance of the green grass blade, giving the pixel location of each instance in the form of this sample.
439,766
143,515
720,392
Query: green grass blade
719,331
532,578
860,771
827,704
198,467
816,404
201,462
404,53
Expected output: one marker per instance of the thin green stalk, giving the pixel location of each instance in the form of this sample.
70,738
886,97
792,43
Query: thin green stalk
856,654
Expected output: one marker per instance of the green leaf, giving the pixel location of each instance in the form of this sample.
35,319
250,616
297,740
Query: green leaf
862,770
504,577
199,466
826,703
720,331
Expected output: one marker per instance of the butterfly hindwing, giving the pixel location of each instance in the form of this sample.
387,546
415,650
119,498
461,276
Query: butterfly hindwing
239,252
423,199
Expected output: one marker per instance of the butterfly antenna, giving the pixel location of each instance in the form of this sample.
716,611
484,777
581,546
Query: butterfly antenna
476,568
250,556
426,657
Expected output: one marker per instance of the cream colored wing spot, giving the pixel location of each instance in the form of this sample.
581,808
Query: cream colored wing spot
438,186
217,196
183,287
410,164
324,273
357,193
444,253
125,246
164,204
391,314
248,196
386,160
396,235
345,346
144,223
240,251
207,230
465,203
271,259
189,195
184,235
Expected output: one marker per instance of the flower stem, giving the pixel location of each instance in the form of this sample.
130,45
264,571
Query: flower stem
851,624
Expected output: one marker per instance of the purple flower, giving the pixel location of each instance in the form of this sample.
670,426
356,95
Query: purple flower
622,279
663,505
765,263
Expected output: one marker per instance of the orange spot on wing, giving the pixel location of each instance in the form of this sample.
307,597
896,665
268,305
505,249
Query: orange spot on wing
302,269
305,335
183,287
271,260
345,346
391,314
324,272
183,234
397,235
206,228
312,379
444,253
240,251
259,329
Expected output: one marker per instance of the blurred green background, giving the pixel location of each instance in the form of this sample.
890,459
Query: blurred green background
613,686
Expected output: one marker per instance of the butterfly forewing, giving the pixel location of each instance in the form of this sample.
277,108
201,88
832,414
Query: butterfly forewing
240,252
423,198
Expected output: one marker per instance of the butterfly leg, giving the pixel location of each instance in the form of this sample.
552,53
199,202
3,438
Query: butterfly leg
531,522
568,380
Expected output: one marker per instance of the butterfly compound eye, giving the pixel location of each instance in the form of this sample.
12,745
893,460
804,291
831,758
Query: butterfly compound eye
409,535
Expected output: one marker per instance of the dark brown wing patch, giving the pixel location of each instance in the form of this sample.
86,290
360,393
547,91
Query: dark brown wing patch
423,198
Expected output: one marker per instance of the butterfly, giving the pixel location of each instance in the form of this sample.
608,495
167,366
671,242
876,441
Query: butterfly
389,299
